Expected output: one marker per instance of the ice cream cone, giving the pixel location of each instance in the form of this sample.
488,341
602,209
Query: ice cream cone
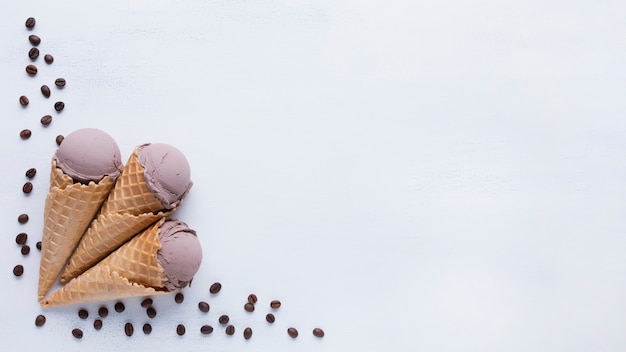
69,208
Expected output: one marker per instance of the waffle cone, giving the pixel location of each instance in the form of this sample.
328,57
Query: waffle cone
132,270
69,208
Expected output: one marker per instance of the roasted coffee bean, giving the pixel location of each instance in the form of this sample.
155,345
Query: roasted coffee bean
31,70
230,330
146,303
46,120
24,100
97,324
40,320
21,238
292,332
38,245
78,333
204,307
22,218
180,329
206,329
59,139
25,249
129,329
59,105
34,40
317,332
30,173
18,270
247,333
60,82
30,22
33,53
48,59
223,319
179,298
25,134
119,307
83,314
275,304
270,318
45,90
28,187
151,312
147,329
249,307
215,288
252,298
103,312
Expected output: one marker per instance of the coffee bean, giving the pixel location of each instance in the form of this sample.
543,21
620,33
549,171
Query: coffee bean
21,238
83,314
30,173
317,332
129,329
25,134
45,90
78,333
204,307
59,105
230,330
275,304
151,312
60,82
146,303
59,139
252,298
48,59
179,298
270,318
40,320
38,245
180,329
18,270
34,40
30,22
147,329
103,312
22,218
97,324
25,249
31,70
247,333
292,332
215,288
24,100
223,319
206,329
28,187
119,307
249,307
46,120
33,53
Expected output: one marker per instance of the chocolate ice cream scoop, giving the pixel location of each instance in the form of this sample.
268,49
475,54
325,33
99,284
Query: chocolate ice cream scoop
180,254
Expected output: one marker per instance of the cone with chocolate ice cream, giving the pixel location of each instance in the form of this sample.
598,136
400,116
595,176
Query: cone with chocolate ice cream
84,169
162,259
152,185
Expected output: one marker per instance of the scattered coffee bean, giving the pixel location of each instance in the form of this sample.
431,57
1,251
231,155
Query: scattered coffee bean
147,329
292,332
97,324
25,134
103,312
317,332
275,304
270,318
45,90
21,238
252,298
30,173
28,187
119,307
60,82
78,333
83,314
24,100
129,329
59,139
215,288
30,22
247,333
38,245
230,330
18,270
33,53
223,319
146,303
151,312
40,320
180,329
46,120
206,329
179,298
249,307
25,249
204,307
31,70
59,105
22,218
34,40
48,59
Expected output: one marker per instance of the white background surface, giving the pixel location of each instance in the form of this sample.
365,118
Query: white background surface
409,176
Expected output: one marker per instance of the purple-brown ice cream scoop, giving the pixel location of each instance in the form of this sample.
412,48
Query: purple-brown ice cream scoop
180,254
89,154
